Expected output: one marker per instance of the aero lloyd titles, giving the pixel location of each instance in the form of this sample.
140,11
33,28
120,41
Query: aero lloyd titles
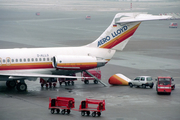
113,35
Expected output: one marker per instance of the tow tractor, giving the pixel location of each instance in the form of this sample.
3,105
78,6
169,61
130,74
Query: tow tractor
164,85
64,103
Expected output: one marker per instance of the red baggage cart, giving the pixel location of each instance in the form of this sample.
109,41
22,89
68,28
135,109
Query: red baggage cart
63,103
92,105
96,73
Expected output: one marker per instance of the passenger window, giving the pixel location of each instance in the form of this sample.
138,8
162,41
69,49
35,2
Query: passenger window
44,59
51,59
12,60
47,59
142,79
32,59
4,60
39,59
24,59
20,60
16,60
8,60
28,60
36,59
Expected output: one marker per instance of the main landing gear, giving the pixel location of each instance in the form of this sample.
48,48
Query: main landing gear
20,86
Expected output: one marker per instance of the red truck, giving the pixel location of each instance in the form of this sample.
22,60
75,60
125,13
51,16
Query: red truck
164,85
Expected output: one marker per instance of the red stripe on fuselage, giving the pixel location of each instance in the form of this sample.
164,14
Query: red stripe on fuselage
22,66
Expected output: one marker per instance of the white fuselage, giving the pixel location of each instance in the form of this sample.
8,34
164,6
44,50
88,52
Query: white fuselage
39,60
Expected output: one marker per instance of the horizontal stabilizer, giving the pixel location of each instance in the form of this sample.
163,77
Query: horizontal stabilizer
140,17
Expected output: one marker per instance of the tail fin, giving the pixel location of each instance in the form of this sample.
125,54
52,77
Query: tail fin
123,26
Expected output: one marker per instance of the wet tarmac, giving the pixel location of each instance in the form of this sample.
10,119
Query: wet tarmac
153,50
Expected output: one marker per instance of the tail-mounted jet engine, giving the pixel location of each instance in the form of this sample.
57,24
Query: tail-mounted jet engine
71,62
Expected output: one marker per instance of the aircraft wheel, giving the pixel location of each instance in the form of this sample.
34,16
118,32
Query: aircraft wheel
11,84
21,87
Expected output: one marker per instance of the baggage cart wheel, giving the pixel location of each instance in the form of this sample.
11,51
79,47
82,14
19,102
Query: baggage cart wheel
83,113
68,111
99,114
63,112
58,110
50,84
54,85
95,82
86,81
52,111
60,83
88,113
94,114
68,82
42,85
72,82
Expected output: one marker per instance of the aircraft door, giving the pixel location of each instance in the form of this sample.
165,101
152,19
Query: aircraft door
0,61
8,61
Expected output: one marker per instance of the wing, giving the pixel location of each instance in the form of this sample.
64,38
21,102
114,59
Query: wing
18,75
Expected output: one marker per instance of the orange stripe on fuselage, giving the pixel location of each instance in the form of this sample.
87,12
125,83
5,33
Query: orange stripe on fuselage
120,38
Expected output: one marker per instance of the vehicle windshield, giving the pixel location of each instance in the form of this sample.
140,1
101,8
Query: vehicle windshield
149,79
137,78
164,81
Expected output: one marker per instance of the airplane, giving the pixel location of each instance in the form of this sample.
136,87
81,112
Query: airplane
20,64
